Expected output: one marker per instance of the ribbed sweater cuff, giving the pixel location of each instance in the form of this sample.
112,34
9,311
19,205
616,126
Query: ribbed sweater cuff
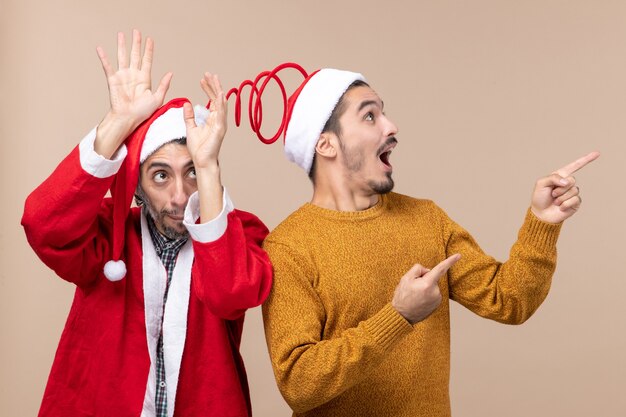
539,233
387,326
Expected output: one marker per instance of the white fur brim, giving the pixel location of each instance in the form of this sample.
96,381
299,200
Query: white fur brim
311,111
168,127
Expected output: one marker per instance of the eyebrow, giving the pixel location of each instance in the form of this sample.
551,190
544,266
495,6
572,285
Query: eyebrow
163,165
157,165
366,103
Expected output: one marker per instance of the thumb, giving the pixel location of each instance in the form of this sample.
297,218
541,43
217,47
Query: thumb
189,116
164,85
552,181
416,271
442,267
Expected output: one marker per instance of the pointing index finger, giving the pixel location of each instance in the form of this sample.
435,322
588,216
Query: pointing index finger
442,267
572,167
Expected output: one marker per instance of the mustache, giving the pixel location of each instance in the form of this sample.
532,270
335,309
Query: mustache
174,212
390,141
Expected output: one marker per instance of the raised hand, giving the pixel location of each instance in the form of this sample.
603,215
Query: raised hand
204,141
557,197
417,295
130,92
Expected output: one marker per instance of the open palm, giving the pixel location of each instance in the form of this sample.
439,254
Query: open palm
130,86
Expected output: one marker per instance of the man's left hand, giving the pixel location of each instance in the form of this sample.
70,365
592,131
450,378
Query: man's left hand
204,142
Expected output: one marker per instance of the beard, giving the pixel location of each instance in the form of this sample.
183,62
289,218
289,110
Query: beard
382,187
354,159
158,216
168,231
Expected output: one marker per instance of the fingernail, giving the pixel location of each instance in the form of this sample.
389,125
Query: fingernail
563,181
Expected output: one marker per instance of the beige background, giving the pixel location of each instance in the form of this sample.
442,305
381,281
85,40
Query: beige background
488,95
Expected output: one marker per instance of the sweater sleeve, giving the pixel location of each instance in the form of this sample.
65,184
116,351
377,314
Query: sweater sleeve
233,273
311,371
508,292
67,219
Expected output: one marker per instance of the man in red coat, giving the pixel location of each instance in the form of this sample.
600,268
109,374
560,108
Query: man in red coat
161,290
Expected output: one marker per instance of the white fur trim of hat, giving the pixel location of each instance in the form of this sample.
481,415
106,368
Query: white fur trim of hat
312,109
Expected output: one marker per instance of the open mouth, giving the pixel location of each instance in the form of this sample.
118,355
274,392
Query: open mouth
384,157
384,152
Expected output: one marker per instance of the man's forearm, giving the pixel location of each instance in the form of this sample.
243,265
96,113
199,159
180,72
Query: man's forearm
209,191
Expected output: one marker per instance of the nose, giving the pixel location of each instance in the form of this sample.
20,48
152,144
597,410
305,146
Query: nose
179,194
390,128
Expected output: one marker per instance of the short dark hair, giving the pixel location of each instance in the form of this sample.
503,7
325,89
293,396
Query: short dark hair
332,124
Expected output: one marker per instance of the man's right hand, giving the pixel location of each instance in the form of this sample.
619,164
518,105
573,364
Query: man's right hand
417,295
130,93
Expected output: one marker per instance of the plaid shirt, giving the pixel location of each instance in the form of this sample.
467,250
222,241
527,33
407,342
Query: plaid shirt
167,250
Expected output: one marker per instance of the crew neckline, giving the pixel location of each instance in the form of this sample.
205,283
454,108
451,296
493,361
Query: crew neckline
369,213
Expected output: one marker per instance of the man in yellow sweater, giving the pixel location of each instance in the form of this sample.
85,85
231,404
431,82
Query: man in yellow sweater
356,323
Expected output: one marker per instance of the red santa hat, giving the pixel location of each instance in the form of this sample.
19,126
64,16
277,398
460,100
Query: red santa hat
165,125
306,111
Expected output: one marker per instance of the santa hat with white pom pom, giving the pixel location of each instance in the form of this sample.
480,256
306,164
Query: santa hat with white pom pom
165,125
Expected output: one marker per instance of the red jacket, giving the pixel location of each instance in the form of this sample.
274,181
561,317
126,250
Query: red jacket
102,364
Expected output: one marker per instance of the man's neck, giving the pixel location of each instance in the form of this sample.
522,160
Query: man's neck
342,198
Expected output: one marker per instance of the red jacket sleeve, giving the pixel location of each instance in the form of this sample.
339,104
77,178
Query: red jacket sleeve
233,273
67,221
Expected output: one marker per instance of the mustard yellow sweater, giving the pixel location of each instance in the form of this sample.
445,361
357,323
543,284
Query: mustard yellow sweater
337,346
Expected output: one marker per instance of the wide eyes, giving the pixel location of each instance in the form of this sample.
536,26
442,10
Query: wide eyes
160,177
369,116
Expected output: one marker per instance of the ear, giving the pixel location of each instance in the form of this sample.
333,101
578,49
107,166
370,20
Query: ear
327,145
